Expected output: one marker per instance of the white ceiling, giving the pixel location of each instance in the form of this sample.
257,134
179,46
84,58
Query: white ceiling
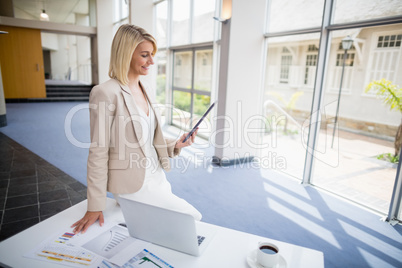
61,11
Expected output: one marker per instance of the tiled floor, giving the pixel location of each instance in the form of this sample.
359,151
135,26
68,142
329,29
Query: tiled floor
31,189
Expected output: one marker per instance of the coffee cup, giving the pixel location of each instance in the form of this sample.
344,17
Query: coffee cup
267,254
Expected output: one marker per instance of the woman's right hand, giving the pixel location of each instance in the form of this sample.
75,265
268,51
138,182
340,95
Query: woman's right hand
89,218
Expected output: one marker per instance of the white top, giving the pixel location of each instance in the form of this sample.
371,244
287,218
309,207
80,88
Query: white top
148,125
156,190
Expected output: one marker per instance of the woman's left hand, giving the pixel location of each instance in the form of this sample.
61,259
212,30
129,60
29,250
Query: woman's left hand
189,141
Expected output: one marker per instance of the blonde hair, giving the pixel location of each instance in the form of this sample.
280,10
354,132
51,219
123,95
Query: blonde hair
125,41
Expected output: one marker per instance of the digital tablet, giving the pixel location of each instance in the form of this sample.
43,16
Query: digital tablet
199,122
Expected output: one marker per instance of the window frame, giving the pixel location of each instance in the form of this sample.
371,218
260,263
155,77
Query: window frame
325,30
374,50
192,90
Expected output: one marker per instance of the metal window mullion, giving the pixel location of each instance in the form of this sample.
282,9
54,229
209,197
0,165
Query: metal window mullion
366,23
396,198
192,84
182,89
293,32
198,46
201,92
169,24
172,91
314,126
169,58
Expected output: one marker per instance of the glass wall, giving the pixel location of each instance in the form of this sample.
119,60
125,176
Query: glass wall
67,59
283,10
120,14
289,81
161,33
192,21
180,22
161,76
120,10
361,10
192,82
358,130
290,72
354,150
203,24
185,33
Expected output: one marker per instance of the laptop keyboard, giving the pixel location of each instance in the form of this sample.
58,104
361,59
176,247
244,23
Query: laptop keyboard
200,239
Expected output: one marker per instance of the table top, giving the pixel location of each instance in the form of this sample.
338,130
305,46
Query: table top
229,248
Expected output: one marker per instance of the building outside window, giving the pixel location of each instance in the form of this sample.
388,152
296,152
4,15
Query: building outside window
286,62
354,167
311,63
385,55
336,70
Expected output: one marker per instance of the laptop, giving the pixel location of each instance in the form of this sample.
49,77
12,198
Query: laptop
164,227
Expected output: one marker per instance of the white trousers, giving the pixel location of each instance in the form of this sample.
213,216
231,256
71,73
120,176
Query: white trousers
157,191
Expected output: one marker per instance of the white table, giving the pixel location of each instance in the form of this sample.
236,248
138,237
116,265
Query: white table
229,248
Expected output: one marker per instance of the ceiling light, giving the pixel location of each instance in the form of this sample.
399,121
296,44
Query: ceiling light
44,16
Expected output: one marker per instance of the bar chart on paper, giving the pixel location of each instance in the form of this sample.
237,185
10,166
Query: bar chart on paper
110,242
116,238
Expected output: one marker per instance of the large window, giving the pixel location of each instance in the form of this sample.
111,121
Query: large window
192,83
120,13
290,72
360,10
303,14
192,21
181,22
185,35
354,165
203,25
333,129
67,58
161,34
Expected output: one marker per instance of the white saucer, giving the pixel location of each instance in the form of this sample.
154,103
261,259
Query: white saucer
252,261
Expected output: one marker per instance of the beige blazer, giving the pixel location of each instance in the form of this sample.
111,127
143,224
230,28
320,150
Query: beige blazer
116,153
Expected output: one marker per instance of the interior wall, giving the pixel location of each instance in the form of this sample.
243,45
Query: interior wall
244,80
104,21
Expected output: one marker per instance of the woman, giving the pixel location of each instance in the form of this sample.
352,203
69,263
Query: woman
128,150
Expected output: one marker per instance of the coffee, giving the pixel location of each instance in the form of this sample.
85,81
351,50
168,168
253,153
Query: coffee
268,249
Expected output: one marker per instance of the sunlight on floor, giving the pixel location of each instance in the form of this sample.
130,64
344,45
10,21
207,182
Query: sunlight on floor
293,200
302,221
